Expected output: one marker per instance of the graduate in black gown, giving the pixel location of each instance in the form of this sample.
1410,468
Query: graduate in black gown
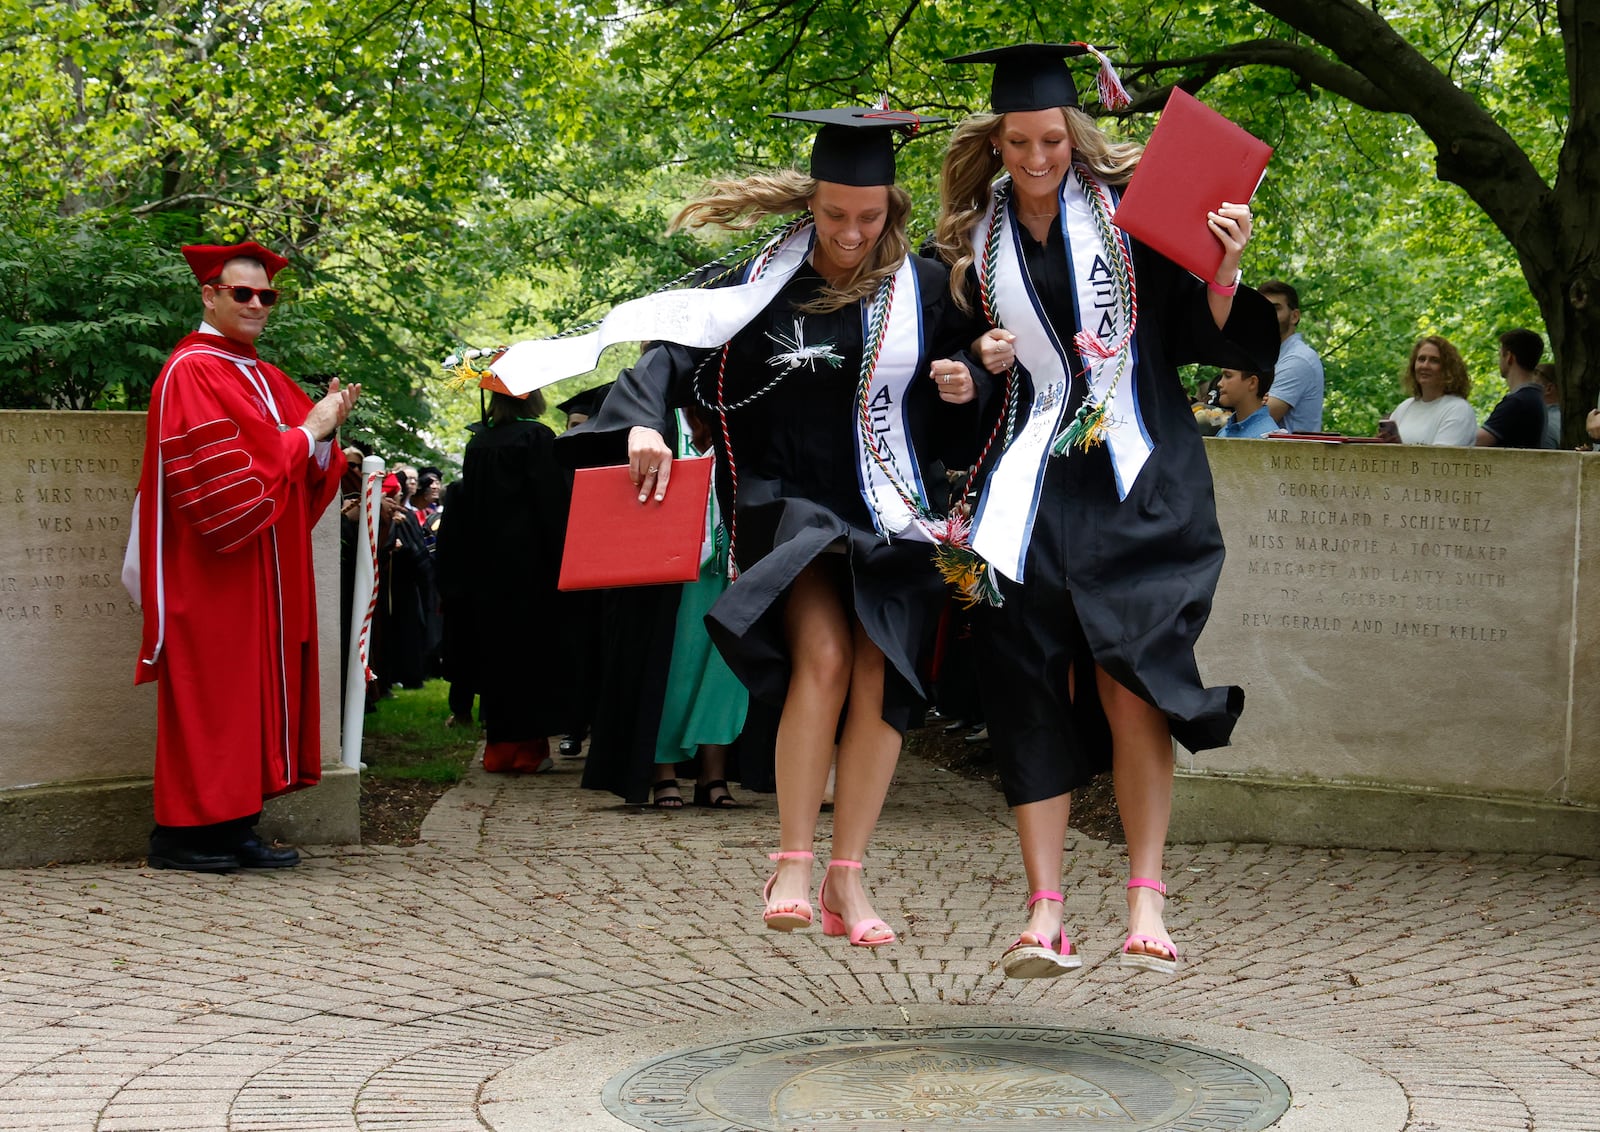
501,551
1108,553
836,595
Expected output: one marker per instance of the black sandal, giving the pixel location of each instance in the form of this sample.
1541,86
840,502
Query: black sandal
703,795
662,801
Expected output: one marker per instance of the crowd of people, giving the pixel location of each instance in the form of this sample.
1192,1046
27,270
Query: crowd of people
1287,398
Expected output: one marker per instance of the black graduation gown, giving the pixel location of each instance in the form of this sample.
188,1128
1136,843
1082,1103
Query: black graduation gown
799,497
1125,584
405,594
501,553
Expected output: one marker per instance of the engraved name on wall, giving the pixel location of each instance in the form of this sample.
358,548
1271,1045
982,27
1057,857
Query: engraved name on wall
1402,543
68,628
71,489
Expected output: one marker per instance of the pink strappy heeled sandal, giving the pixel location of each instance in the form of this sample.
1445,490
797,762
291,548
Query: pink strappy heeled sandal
789,915
833,923
1143,960
1038,960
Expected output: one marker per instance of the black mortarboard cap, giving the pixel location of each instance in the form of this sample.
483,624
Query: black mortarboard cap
855,146
1029,76
587,402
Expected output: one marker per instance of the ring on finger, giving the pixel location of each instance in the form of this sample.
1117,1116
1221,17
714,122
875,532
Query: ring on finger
652,471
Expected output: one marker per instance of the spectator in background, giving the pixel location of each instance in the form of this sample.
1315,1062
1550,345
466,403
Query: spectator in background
1297,385
1518,420
405,594
1545,372
1245,392
425,500
502,558
581,613
1435,410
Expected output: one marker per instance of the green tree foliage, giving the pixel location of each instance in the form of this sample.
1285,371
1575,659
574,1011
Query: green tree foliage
441,174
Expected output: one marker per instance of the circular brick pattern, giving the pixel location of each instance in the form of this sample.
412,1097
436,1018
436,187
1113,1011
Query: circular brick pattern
1022,1078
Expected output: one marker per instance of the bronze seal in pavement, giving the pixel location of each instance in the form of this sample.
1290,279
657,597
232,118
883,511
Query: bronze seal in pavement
1020,1078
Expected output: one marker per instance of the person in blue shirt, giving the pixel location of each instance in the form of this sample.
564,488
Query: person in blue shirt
1296,403
1245,392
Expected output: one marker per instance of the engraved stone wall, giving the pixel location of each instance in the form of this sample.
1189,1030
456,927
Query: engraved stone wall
1401,615
68,631
69,710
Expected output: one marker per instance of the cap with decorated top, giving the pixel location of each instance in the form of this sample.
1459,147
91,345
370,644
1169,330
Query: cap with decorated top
1035,76
855,146
207,260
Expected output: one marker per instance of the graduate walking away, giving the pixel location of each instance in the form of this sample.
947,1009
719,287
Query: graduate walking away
500,556
827,417
238,466
1099,518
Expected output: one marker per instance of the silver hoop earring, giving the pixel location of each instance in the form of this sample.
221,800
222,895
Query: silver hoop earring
995,150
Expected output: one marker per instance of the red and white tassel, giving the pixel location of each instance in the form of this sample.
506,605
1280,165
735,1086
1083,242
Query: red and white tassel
1113,95
1091,345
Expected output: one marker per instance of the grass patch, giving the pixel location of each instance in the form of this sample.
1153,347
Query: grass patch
406,738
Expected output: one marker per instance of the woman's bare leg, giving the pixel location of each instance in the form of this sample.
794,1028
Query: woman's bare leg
821,655
1141,773
1042,830
868,750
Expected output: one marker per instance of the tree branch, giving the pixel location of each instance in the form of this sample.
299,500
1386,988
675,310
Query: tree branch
1474,150
1310,65
167,203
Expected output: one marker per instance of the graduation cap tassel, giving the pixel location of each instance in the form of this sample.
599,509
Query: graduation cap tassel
1113,95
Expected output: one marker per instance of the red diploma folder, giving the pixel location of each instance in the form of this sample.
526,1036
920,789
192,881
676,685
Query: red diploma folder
614,540
1195,161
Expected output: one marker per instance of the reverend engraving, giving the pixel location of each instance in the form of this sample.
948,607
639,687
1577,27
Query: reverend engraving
1379,545
67,626
71,494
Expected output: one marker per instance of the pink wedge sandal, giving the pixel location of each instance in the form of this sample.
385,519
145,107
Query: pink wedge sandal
789,915
1142,960
1037,959
833,923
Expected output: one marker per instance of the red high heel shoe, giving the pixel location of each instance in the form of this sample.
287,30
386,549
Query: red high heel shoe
833,923
790,915
1038,960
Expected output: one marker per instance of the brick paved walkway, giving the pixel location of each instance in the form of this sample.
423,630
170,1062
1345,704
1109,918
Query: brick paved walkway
387,988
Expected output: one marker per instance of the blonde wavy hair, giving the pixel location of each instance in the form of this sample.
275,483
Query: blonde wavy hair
744,203
972,163
1451,365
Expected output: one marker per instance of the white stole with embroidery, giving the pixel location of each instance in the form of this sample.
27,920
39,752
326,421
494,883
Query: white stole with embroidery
1003,524
886,411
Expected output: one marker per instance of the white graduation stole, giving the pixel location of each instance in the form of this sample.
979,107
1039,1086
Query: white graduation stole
886,412
1003,523
692,316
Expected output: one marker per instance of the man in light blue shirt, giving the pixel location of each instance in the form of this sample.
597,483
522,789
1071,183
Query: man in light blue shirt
1246,394
1296,401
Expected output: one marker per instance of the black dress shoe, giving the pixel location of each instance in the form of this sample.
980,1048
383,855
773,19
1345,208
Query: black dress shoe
255,854
194,860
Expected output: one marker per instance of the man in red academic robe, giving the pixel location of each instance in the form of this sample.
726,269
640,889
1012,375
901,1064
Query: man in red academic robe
238,466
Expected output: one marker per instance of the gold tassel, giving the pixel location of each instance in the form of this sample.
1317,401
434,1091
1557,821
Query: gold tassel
1088,428
972,577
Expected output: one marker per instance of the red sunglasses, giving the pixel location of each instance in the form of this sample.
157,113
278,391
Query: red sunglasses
242,294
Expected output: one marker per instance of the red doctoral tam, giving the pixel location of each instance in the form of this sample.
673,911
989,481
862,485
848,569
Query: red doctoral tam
206,260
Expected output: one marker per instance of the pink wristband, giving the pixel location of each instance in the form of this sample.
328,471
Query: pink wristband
1229,289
